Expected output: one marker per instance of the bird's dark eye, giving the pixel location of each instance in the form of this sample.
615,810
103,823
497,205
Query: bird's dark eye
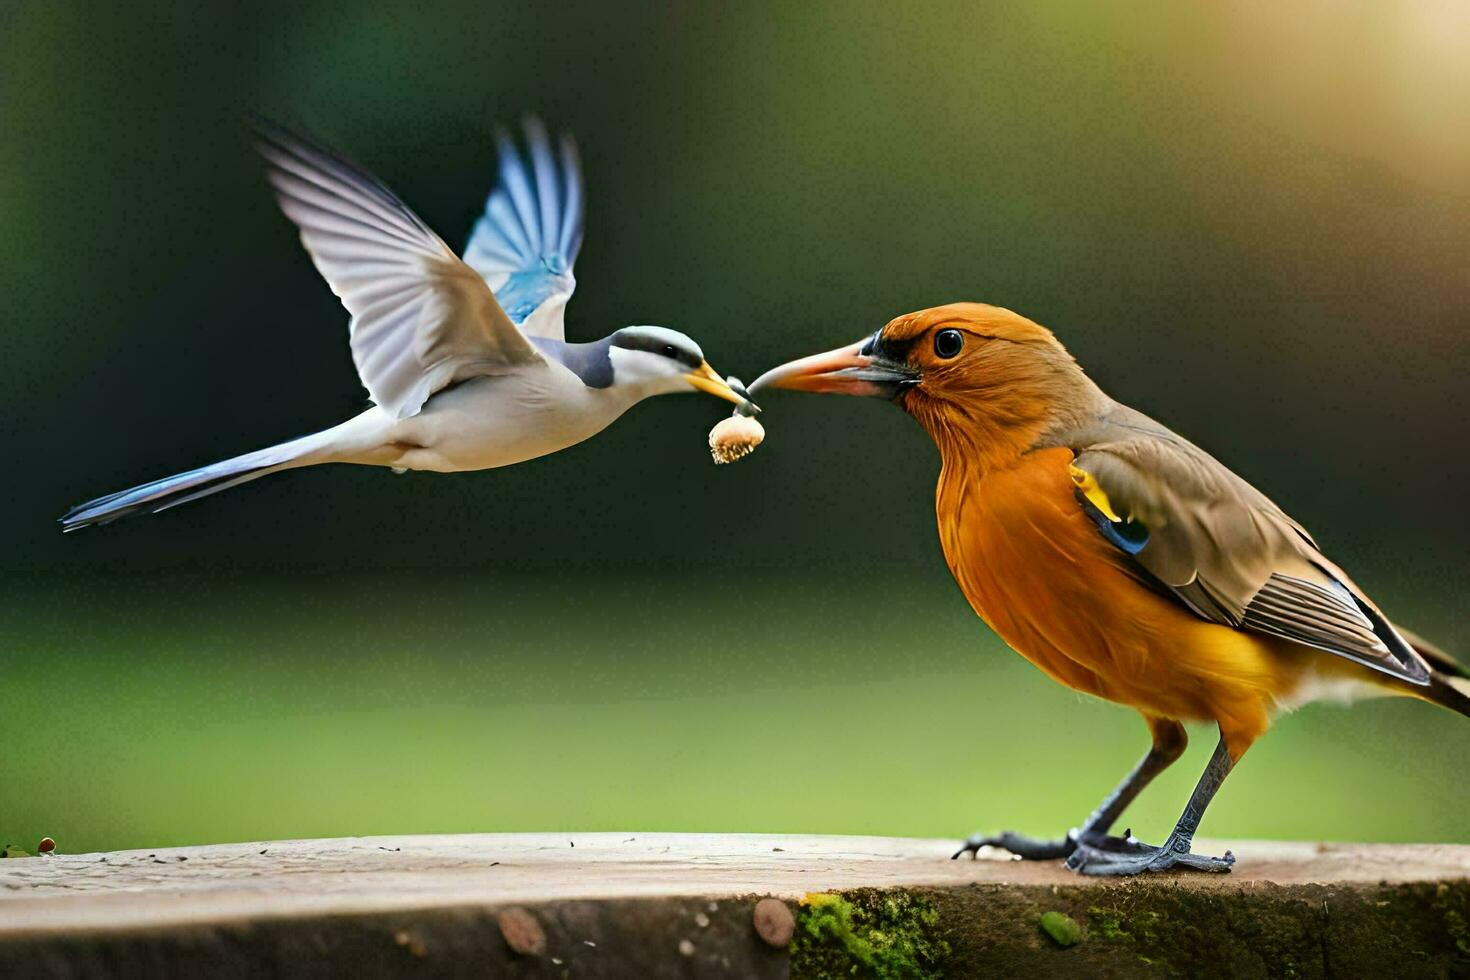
669,351
947,343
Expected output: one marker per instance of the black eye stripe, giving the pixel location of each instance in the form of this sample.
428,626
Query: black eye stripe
633,340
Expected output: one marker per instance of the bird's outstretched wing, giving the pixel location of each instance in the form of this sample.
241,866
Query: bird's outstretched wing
1224,549
527,240
421,318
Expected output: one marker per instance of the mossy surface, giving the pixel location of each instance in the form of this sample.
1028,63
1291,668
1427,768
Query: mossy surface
1161,928
1142,928
1454,908
1151,928
868,932
1061,928
1123,925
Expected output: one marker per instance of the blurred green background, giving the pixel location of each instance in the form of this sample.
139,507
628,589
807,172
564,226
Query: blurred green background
1250,222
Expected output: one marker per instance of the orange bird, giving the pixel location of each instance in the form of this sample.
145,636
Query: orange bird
1122,560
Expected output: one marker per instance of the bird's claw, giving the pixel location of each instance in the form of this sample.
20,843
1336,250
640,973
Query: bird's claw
1023,847
1089,860
1040,849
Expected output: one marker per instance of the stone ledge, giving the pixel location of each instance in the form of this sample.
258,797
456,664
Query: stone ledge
681,905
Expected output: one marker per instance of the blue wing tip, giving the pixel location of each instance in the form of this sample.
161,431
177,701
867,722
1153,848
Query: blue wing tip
534,128
533,215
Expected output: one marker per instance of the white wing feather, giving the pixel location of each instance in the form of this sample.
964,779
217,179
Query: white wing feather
421,318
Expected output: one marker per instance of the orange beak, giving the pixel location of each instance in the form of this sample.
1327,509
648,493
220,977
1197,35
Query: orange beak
857,369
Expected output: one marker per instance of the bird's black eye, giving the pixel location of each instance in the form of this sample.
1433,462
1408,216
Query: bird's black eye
669,351
947,343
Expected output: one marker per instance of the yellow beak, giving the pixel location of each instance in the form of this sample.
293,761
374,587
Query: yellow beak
705,379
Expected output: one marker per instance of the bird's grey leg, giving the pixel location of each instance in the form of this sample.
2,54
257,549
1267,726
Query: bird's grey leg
1175,852
1169,743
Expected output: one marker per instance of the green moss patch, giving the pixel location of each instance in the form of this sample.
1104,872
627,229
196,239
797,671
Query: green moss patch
1119,925
867,933
1450,907
1061,928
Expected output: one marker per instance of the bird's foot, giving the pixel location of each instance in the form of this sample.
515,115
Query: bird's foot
1025,848
1088,860
1040,849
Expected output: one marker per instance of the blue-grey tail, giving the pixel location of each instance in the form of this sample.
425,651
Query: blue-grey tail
160,495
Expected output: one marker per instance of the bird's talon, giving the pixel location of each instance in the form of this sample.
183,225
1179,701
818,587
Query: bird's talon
1021,846
1092,860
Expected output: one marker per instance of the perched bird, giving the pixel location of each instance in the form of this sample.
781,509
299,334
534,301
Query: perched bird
1122,560
465,360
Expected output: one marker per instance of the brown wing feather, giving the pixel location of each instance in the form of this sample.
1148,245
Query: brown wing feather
1229,553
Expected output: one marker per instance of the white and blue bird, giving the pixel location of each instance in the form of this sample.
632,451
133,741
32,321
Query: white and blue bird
465,360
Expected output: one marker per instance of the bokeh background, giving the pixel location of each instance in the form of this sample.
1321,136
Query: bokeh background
1250,220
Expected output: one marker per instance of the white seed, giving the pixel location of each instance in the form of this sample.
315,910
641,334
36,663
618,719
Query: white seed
734,438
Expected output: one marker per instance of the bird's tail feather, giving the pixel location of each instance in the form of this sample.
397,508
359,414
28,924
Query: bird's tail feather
1449,681
184,487
1450,692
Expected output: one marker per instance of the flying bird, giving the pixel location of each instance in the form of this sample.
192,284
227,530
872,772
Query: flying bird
465,360
1122,560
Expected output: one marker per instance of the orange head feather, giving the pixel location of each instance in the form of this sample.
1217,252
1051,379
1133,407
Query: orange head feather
985,382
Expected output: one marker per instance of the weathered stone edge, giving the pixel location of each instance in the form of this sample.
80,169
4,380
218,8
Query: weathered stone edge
1135,928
